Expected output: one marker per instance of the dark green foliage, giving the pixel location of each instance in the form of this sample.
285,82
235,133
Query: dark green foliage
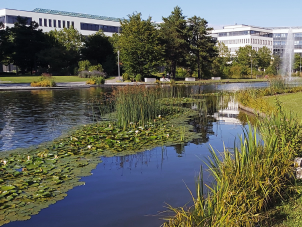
140,49
202,46
173,32
99,50
25,42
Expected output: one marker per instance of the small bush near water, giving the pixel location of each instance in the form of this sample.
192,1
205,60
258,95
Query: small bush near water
96,81
44,81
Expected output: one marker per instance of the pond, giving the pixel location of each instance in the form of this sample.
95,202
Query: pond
132,190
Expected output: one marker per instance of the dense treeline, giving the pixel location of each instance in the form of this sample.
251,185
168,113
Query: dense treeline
178,47
57,52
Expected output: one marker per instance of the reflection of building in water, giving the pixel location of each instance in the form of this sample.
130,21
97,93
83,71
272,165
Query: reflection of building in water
228,114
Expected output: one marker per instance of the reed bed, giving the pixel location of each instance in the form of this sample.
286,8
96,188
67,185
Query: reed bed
248,180
141,104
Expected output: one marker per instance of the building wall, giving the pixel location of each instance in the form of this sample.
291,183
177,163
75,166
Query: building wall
238,36
48,22
280,37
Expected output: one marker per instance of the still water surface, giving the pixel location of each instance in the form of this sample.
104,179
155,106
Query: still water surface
123,191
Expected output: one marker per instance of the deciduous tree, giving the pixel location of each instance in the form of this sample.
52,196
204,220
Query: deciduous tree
141,52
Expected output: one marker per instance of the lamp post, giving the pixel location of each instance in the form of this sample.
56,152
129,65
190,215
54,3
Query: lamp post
118,59
118,65
251,65
300,64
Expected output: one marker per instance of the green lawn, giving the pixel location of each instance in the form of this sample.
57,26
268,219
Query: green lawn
29,79
290,102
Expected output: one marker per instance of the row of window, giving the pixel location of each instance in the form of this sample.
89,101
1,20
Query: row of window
8,19
239,33
55,23
284,35
248,41
283,43
97,27
234,49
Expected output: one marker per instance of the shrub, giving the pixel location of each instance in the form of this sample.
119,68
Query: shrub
96,80
126,76
84,65
138,78
84,74
44,81
97,67
181,73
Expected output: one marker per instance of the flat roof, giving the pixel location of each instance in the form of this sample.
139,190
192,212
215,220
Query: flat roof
71,14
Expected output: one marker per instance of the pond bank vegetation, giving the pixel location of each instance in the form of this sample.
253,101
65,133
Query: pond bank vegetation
255,183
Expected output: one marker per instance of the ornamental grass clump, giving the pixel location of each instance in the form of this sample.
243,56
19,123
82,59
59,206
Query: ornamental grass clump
248,180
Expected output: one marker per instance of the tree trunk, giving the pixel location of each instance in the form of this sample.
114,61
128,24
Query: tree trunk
198,65
173,69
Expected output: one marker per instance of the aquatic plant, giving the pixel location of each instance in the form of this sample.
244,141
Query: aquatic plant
33,179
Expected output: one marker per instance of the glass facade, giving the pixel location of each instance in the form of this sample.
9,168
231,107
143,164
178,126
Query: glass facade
251,32
280,42
97,27
13,19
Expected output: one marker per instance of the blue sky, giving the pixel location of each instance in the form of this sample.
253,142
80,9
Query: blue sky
218,13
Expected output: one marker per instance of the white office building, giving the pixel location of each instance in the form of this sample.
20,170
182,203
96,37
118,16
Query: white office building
274,38
280,37
49,20
236,36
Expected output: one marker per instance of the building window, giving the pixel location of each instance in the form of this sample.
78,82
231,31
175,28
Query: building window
14,19
63,23
55,23
49,23
72,23
40,22
45,22
59,23
68,24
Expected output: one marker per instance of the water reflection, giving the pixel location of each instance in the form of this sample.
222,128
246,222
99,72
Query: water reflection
32,117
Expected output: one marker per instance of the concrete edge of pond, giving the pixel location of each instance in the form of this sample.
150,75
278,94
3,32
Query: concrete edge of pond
67,85
251,110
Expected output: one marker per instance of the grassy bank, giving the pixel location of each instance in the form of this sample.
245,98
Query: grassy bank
250,180
29,79
290,102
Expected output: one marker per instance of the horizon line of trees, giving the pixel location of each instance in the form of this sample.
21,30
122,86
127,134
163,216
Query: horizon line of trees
181,46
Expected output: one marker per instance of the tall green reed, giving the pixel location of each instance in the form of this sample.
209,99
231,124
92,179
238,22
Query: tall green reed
248,180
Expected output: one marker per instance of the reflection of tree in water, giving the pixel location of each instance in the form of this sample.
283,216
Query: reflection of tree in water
139,160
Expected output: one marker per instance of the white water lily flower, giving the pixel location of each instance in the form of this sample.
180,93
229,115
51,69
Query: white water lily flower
56,156
159,116
89,146
140,127
28,158
4,162
136,131
167,135
131,123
